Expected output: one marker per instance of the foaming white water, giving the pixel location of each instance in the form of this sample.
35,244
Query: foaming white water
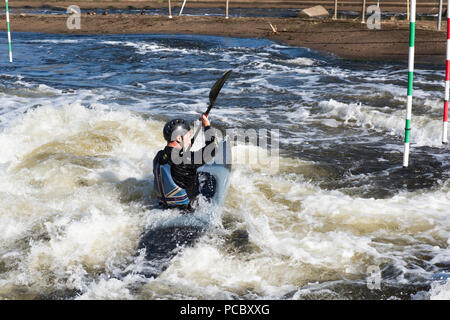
301,61
66,173
206,272
299,234
144,47
440,291
59,41
107,289
66,217
425,131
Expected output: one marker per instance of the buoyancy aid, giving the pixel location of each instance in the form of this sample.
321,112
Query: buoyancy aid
167,191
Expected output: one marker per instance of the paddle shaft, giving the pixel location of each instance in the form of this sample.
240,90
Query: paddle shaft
212,98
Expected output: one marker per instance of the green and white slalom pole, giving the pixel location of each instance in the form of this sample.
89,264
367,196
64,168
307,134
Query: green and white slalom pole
412,29
9,31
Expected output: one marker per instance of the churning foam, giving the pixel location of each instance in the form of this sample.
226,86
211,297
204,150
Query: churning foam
300,234
152,47
426,131
66,188
69,219
440,291
74,184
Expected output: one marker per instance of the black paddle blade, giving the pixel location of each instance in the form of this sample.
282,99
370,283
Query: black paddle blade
216,89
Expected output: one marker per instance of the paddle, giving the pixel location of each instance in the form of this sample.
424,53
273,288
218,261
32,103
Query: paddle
212,99
215,90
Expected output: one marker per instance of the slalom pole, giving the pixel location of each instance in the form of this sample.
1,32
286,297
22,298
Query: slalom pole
226,10
9,31
170,11
439,15
363,12
335,10
412,29
447,80
407,9
182,7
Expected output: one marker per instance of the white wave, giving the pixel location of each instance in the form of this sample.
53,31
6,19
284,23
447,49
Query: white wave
314,230
205,272
425,131
65,173
59,41
301,61
107,289
440,291
144,47
300,234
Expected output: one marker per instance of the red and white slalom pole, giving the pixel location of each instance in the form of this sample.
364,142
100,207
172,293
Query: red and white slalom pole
447,80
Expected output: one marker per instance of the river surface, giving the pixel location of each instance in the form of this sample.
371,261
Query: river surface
337,217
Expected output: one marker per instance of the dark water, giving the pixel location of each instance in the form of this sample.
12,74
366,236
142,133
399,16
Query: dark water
82,116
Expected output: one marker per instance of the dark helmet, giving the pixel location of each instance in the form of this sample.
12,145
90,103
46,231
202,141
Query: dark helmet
175,128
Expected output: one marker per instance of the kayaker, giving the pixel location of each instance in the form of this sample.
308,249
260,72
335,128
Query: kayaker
177,182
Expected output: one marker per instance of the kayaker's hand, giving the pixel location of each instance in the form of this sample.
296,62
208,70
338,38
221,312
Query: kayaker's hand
205,120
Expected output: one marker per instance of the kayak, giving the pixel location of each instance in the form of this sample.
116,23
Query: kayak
163,243
220,170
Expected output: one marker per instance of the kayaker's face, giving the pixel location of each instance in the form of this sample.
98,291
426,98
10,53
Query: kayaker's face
186,141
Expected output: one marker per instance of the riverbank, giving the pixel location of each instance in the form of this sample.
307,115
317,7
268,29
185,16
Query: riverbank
423,6
346,38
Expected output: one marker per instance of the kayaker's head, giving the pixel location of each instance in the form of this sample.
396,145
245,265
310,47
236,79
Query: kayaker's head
177,133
